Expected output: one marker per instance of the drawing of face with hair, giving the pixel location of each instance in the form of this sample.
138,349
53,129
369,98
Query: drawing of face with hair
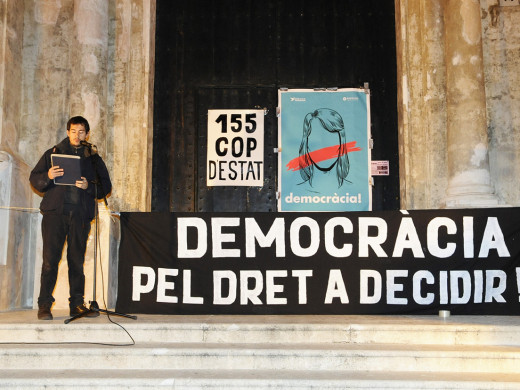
323,146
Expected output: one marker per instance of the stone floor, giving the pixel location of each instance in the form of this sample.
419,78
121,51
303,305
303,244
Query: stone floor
259,352
29,317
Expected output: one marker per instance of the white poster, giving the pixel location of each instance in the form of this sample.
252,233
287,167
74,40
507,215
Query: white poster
235,148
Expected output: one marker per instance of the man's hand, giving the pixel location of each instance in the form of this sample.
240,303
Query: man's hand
54,172
83,183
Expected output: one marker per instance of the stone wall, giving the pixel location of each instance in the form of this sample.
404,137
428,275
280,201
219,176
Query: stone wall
421,95
17,236
423,104
74,57
502,74
17,219
93,58
96,57
133,59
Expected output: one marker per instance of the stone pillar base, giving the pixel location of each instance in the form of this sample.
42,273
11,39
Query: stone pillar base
471,189
468,201
16,233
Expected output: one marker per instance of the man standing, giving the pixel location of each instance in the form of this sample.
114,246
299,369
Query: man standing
67,213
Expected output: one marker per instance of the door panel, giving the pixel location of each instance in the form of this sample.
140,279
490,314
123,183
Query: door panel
238,198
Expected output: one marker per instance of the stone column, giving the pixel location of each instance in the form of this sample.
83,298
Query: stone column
89,85
71,64
48,32
11,38
133,101
468,162
89,67
421,103
16,263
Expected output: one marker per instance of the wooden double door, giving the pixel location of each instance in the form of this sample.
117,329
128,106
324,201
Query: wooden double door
236,54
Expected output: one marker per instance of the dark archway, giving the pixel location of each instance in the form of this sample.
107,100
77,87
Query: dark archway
236,54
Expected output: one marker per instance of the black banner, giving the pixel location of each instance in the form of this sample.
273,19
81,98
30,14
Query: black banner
397,262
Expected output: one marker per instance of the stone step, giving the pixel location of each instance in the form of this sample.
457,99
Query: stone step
417,330
260,352
251,379
323,357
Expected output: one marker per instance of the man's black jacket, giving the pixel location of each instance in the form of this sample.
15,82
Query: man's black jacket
54,195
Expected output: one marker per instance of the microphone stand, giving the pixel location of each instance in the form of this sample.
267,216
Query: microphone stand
94,309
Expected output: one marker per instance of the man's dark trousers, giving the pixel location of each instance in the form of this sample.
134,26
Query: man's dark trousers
74,227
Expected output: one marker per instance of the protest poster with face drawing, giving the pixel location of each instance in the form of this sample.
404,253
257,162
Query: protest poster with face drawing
324,159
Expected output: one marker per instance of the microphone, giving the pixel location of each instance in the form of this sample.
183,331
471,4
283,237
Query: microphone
87,144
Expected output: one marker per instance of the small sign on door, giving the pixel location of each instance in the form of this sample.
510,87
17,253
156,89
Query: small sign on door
380,168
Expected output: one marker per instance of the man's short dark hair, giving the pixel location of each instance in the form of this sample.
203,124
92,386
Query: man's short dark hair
78,120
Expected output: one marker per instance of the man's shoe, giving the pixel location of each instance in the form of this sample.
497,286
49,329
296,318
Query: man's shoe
44,313
81,309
